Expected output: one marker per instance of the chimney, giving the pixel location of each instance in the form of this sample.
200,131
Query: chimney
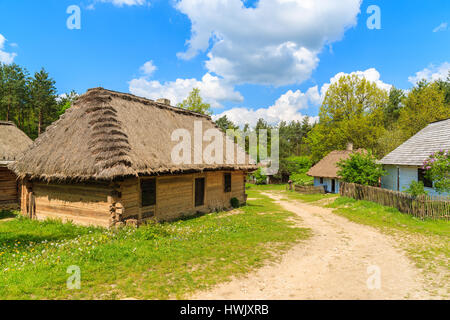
164,101
350,146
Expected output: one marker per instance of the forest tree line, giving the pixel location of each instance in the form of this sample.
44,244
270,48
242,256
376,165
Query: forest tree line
31,102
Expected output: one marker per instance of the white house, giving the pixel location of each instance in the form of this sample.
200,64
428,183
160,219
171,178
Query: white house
404,164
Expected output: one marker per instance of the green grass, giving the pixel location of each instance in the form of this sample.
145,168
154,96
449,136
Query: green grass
387,218
158,261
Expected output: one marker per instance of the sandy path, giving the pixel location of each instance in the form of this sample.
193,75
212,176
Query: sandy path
332,264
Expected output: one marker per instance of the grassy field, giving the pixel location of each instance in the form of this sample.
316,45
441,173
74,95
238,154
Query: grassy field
162,261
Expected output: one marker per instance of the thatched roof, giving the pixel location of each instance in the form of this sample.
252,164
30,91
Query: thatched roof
415,150
13,142
327,167
107,135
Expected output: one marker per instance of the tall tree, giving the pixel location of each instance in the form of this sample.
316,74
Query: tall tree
224,123
194,102
425,103
352,111
13,94
43,97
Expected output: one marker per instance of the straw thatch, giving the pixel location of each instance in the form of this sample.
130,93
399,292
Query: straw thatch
13,142
327,167
107,135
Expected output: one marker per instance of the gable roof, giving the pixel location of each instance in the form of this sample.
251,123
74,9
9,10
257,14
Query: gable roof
13,142
108,134
415,150
327,167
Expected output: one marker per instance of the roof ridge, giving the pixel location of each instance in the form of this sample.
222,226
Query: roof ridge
132,97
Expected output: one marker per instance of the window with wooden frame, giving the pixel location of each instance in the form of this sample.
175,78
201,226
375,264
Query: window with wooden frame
421,173
227,182
321,180
148,192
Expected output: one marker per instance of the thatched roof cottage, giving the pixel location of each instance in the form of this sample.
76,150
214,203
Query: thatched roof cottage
13,142
109,160
325,172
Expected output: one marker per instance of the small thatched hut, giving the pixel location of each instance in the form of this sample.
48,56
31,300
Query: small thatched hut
108,161
13,142
325,172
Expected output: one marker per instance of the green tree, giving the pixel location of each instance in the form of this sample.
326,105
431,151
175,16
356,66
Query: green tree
225,124
43,97
352,111
66,101
361,168
14,94
425,103
194,102
393,107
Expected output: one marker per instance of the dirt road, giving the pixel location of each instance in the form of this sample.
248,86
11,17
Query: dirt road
342,260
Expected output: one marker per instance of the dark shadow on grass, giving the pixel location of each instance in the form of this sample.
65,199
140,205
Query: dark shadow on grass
5,214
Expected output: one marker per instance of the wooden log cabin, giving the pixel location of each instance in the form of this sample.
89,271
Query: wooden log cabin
108,161
13,142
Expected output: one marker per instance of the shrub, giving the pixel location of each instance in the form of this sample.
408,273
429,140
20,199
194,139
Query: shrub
361,168
438,170
416,188
301,179
260,177
234,202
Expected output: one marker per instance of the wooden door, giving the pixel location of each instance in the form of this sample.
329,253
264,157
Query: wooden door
199,192
333,186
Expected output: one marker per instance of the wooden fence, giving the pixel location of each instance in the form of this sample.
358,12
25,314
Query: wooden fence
309,189
432,207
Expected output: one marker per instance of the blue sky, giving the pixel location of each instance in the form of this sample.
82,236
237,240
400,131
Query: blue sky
266,58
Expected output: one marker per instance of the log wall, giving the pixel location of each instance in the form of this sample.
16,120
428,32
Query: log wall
8,188
84,204
175,195
108,204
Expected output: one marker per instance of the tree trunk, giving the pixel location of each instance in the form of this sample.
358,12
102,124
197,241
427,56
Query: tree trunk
40,123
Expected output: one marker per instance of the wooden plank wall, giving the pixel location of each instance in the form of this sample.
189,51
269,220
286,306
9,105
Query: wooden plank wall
8,186
175,195
85,204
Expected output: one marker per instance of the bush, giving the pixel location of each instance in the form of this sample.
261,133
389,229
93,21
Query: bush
234,202
260,177
301,179
438,168
416,188
361,168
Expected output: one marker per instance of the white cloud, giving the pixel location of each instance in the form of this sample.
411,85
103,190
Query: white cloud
442,27
213,89
288,106
275,43
148,68
432,73
5,57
